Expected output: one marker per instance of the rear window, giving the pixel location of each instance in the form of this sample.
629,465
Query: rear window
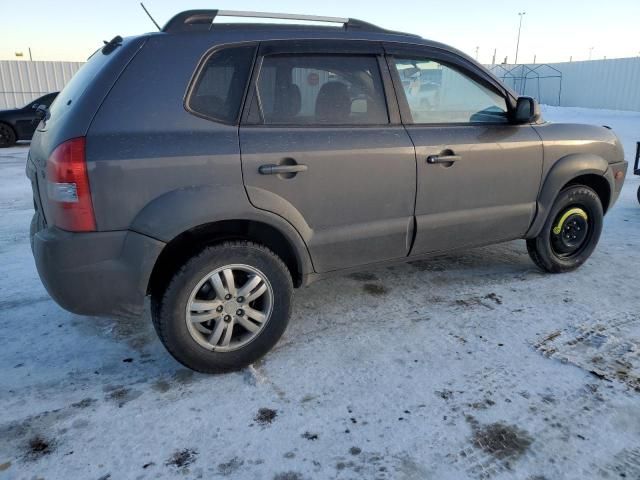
221,83
78,84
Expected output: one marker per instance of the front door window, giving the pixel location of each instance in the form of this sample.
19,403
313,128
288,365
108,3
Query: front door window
437,93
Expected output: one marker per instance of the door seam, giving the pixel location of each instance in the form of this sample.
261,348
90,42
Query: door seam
414,233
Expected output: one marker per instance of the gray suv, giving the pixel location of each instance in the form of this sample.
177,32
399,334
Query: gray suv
216,167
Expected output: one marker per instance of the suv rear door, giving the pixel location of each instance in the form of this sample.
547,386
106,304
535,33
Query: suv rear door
322,146
478,174
73,110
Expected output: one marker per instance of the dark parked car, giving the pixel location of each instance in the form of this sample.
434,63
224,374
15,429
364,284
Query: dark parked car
20,123
216,167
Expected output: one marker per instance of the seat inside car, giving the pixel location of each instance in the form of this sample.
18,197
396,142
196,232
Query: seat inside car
333,104
288,101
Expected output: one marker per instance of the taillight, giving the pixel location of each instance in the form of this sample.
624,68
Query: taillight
68,188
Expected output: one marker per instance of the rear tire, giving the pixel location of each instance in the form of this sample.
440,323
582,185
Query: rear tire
193,293
571,232
7,136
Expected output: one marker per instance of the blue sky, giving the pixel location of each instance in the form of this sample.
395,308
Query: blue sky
553,30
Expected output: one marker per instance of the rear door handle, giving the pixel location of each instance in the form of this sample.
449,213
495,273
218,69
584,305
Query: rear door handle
434,159
272,169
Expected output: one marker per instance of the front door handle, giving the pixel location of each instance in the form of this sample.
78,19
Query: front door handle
272,169
446,159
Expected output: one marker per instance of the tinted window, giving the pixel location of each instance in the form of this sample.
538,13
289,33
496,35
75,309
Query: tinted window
321,89
73,90
220,86
437,93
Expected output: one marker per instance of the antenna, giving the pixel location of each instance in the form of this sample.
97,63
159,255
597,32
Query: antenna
149,15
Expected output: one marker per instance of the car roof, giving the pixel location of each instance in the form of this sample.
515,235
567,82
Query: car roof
200,23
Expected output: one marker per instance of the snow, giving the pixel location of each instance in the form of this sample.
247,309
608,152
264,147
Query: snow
471,365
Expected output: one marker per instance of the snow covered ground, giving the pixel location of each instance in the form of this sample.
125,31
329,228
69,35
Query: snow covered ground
472,365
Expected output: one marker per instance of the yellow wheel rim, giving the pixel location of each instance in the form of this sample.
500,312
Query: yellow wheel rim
572,211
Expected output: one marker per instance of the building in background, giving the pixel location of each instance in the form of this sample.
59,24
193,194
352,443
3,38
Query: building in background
21,82
611,84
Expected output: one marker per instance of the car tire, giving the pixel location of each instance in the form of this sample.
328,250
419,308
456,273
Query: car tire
571,232
203,282
638,194
7,136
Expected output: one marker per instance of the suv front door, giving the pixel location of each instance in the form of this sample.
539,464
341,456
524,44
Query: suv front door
321,148
478,174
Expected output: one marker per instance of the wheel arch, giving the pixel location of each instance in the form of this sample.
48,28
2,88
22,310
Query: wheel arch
188,219
575,169
190,242
598,183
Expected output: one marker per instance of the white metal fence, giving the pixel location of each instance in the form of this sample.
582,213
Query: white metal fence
612,84
23,81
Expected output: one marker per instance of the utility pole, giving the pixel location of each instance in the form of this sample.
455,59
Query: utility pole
493,61
520,14
30,57
590,52
477,49
534,58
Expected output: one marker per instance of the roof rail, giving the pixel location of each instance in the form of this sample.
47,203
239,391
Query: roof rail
203,20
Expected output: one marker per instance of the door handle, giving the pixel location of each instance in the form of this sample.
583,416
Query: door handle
435,159
272,169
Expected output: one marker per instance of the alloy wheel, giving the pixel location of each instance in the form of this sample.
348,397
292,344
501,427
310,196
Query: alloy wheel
229,307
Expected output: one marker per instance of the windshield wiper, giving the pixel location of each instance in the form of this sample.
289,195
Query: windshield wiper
42,115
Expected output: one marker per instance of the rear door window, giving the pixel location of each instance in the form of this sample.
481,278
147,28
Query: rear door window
218,91
321,90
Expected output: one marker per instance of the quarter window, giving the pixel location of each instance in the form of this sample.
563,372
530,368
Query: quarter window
219,89
437,93
321,89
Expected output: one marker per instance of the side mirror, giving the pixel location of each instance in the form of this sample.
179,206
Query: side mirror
527,110
34,106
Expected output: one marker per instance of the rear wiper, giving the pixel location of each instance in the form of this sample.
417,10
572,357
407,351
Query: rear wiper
42,115
111,45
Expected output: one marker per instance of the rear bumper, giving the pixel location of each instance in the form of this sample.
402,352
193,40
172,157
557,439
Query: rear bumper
98,273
